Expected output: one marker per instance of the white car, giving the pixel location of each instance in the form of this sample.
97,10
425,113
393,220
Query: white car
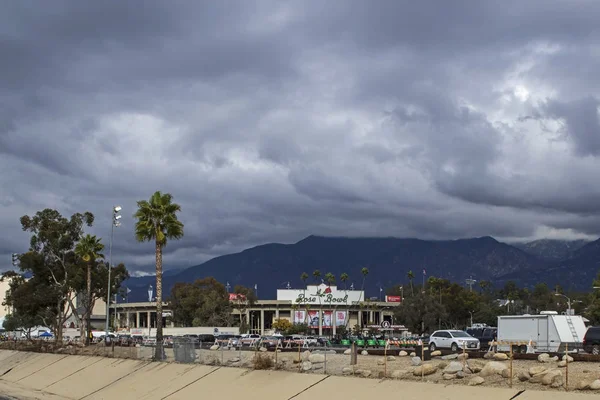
454,340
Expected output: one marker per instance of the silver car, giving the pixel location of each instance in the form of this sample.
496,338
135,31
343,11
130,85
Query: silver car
454,340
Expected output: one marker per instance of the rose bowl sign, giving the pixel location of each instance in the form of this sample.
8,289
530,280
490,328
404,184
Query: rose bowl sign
322,294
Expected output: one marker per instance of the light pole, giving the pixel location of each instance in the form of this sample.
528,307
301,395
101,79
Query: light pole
113,223
471,313
401,294
568,301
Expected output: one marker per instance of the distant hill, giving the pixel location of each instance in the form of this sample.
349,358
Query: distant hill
271,266
575,272
551,250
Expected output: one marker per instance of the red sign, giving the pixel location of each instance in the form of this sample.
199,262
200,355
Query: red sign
235,297
393,299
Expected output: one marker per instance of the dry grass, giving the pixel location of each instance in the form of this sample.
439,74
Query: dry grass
262,361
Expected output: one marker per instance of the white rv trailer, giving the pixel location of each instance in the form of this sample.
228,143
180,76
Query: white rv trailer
548,332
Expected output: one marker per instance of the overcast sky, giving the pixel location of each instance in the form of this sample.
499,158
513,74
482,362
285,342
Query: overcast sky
272,120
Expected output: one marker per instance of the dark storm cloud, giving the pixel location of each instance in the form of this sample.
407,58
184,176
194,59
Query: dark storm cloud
273,120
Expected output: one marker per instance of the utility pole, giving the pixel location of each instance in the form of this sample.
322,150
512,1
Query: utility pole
470,283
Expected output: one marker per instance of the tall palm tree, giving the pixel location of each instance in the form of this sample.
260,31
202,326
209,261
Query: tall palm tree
88,249
344,278
157,221
317,275
329,278
303,278
411,276
364,272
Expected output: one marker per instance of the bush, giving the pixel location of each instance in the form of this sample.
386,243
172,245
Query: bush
263,361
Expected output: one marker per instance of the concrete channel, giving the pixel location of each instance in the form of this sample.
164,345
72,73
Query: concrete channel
28,376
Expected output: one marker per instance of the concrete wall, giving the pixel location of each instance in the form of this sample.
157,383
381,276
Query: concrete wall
59,377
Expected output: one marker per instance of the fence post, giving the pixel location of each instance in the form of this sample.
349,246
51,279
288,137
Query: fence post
385,361
299,358
567,367
464,355
422,361
325,364
222,356
511,365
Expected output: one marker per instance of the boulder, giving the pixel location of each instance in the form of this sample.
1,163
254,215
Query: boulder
562,364
537,370
460,374
348,351
595,385
380,362
263,349
306,366
466,370
453,368
415,361
544,358
234,360
365,373
413,354
463,356
505,373
489,355
316,358
523,376
500,357
558,382
475,366
584,384
555,358
567,358
398,373
403,353
436,353
214,347
425,369
550,376
450,357
493,368
476,381
448,377
442,365
347,371
391,358
364,353
305,355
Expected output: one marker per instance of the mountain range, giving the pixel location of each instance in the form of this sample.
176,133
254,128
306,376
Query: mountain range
573,264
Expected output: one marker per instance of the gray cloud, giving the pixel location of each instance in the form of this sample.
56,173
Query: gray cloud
273,120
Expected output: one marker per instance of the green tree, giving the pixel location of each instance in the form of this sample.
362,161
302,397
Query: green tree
204,302
420,313
52,263
89,250
157,221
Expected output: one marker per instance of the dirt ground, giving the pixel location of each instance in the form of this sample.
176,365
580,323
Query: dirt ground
400,367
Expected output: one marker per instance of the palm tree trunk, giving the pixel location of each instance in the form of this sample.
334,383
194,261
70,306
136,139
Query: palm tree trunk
88,305
158,355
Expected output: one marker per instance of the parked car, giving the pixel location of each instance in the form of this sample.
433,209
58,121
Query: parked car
249,339
453,340
485,335
591,340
